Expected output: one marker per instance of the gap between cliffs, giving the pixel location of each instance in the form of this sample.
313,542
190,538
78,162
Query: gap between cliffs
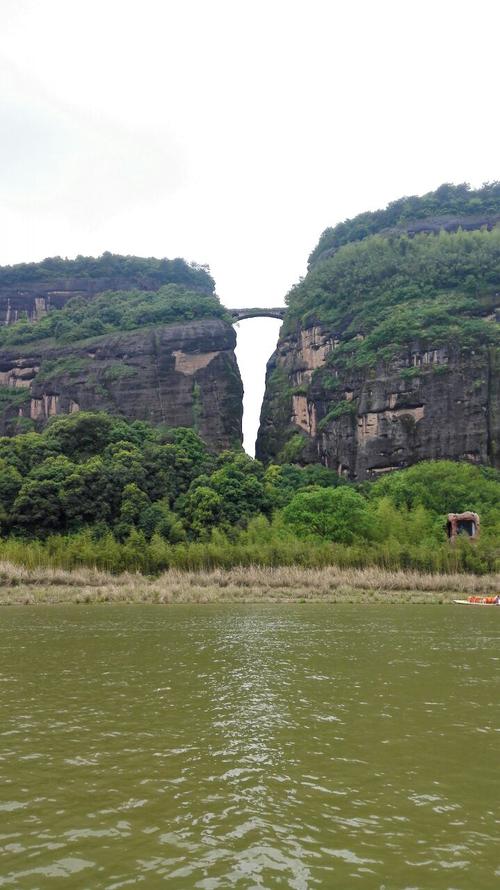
256,342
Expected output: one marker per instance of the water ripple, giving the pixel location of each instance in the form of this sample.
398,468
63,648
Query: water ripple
254,747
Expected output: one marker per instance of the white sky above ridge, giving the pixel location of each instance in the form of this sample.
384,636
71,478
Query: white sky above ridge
231,132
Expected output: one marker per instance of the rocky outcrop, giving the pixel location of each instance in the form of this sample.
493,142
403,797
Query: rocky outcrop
181,374
30,290
33,301
176,375
421,404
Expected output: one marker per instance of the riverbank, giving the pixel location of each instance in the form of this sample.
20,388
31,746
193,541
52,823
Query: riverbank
22,586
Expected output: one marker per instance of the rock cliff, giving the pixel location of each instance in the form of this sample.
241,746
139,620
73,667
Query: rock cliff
177,375
423,404
182,374
390,353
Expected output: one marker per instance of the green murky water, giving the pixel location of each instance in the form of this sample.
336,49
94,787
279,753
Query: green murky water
250,747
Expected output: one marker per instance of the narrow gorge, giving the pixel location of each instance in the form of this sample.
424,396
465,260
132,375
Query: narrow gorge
388,353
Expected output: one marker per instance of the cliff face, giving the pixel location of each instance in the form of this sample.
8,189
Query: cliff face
177,375
422,404
390,349
34,300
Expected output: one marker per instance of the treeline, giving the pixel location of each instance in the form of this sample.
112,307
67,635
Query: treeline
97,490
108,312
146,273
383,294
448,200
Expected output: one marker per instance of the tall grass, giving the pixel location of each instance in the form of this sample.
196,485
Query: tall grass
257,546
21,585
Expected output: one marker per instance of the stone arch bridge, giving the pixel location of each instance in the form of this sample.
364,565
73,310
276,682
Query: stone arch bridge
257,312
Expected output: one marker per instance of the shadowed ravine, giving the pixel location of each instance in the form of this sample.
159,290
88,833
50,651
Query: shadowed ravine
249,746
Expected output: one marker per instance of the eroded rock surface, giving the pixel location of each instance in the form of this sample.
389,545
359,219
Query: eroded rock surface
177,375
420,405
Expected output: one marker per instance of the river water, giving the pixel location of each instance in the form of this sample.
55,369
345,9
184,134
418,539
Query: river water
250,747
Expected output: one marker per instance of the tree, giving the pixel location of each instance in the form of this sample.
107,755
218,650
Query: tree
27,451
10,485
38,506
158,519
83,434
187,456
202,509
84,494
134,501
338,514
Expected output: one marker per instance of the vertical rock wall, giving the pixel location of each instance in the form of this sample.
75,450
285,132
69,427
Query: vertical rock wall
422,404
176,375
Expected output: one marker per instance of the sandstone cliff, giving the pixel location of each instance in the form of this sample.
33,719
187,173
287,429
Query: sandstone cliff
182,374
390,352
423,404
177,375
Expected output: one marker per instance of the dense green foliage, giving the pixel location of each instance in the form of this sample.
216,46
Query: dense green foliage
338,514
92,468
124,293
147,273
99,490
108,312
383,294
447,201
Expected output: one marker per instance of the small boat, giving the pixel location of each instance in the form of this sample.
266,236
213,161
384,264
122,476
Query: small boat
479,601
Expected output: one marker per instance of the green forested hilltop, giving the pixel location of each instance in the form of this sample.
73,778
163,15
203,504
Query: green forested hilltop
147,273
91,296
387,292
447,201
97,490
112,311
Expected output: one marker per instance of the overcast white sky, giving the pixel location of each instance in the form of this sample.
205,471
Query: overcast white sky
231,132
